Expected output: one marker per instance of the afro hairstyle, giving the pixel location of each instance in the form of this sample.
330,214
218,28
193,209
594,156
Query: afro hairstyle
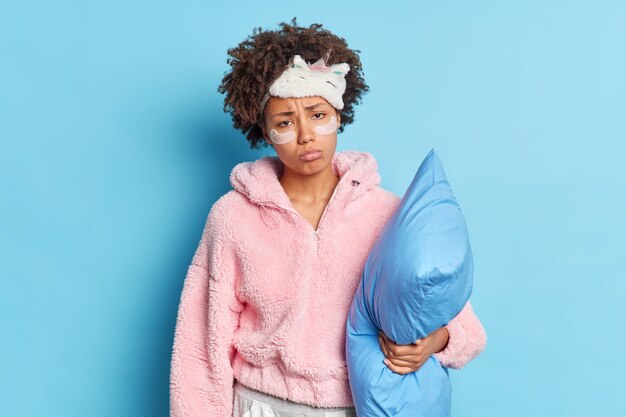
263,56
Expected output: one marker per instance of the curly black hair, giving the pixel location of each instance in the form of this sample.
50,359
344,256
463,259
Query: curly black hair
261,58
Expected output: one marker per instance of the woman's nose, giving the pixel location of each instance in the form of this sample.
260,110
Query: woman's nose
306,133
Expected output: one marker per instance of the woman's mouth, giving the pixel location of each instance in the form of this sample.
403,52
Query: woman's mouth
310,156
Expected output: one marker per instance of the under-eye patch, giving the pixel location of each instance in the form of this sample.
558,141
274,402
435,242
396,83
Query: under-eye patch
328,128
282,138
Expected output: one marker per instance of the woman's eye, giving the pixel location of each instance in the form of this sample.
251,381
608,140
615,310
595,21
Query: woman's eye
283,124
316,114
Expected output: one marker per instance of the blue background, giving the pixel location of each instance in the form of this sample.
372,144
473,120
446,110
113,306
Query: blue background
114,146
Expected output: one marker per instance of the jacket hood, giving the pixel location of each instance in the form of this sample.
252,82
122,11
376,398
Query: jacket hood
258,180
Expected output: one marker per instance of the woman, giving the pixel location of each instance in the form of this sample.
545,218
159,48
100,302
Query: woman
261,322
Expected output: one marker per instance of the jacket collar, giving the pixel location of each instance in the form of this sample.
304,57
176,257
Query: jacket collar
258,180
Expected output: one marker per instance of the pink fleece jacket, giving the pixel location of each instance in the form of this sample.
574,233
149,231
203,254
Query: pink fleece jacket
266,297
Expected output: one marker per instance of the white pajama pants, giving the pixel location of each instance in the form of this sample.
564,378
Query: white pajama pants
252,403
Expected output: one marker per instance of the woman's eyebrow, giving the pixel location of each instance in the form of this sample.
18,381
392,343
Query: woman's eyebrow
283,113
314,106
289,113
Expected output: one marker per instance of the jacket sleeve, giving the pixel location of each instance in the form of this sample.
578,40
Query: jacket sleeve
201,375
467,339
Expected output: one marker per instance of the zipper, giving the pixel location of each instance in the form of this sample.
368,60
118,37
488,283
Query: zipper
317,241
316,235
319,223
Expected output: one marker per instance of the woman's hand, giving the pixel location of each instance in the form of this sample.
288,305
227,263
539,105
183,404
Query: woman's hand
404,359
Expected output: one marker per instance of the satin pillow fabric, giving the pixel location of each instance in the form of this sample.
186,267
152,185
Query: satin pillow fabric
417,277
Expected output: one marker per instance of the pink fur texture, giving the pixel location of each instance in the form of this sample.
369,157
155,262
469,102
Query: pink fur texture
266,297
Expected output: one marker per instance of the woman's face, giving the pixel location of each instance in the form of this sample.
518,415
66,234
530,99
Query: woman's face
303,132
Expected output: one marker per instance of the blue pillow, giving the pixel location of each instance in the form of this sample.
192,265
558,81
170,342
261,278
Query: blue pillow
417,277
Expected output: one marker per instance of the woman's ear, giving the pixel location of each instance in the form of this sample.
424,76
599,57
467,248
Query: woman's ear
263,128
265,135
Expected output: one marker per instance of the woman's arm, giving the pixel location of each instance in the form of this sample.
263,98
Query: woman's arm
467,338
454,345
201,376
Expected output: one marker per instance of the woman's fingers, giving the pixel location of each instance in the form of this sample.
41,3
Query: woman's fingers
400,350
383,346
403,370
400,362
